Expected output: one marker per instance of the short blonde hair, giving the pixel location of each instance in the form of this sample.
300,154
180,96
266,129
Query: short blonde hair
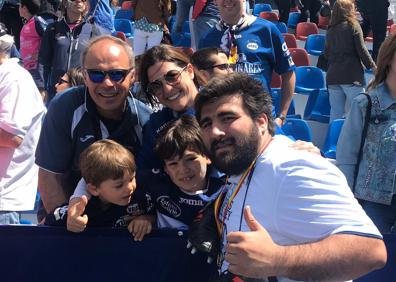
106,159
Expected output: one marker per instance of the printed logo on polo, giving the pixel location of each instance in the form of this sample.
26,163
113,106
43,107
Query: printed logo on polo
191,202
252,45
171,207
86,138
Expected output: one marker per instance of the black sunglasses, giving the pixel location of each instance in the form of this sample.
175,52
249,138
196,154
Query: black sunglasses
222,67
61,81
171,78
116,75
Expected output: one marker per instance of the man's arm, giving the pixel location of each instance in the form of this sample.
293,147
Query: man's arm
9,140
287,91
337,257
51,191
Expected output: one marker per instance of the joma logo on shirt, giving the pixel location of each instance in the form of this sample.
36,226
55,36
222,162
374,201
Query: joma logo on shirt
191,202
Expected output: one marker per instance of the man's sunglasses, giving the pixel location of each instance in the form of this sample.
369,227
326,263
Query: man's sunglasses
171,78
116,75
61,81
226,66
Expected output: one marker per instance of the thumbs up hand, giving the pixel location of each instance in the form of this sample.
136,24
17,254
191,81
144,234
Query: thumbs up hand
252,254
76,221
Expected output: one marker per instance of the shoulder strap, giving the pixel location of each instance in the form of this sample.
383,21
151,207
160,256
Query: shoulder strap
40,25
363,139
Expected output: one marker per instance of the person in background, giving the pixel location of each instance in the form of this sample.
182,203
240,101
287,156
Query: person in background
21,114
346,54
64,41
182,13
73,77
286,213
30,38
367,157
310,9
375,17
210,62
151,17
9,15
256,47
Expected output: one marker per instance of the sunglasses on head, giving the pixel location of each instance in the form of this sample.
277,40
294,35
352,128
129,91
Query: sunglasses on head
171,78
225,66
116,75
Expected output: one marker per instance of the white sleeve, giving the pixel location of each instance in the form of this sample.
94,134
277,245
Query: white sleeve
81,190
314,201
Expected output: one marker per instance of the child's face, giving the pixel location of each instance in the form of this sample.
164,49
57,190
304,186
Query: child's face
189,171
116,191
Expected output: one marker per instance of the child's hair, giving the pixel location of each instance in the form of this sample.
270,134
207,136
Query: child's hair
178,136
105,159
33,6
76,76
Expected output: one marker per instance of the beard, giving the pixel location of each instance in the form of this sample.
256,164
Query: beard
236,161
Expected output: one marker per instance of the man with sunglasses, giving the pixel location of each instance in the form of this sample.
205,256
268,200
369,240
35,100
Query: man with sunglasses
255,46
103,109
211,62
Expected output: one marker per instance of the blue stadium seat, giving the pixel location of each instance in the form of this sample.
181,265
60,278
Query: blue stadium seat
309,78
318,106
294,18
124,14
281,26
315,44
276,99
124,25
298,129
330,145
258,8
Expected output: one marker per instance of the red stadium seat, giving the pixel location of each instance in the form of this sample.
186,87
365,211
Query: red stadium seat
290,40
304,29
269,16
299,56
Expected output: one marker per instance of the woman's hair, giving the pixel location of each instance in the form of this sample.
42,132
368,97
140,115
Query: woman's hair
343,10
161,53
75,76
384,60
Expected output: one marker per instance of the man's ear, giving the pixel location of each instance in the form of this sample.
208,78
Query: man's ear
262,122
132,77
92,189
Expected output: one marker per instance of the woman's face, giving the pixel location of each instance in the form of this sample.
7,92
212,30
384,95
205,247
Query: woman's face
62,84
175,86
77,6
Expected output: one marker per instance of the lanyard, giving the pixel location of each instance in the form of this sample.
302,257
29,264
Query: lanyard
219,201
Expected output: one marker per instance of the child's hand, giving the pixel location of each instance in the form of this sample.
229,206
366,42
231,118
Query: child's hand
76,221
140,226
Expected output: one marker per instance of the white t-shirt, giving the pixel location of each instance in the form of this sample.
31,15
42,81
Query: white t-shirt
299,197
21,113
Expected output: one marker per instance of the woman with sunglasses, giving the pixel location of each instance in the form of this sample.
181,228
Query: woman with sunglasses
73,77
64,41
167,78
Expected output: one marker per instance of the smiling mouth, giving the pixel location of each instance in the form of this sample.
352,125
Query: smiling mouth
108,95
174,97
223,144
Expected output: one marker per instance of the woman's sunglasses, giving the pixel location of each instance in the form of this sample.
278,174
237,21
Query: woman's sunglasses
116,75
171,78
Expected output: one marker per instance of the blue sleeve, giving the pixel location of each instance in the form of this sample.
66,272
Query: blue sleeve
283,60
55,148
